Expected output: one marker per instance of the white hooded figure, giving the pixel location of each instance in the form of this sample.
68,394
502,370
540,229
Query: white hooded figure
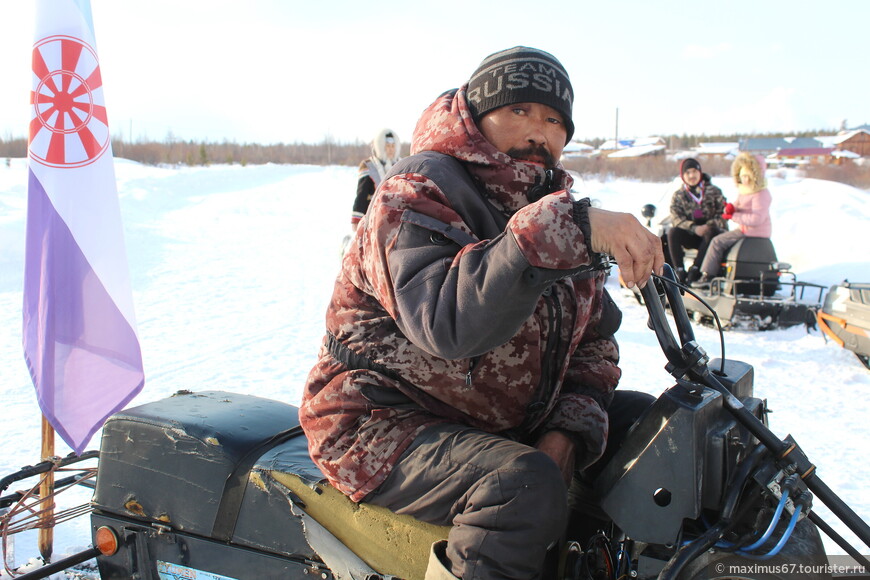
386,149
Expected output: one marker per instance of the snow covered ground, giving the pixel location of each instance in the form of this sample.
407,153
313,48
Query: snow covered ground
232,268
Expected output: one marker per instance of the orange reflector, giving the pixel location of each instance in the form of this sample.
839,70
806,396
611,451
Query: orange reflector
106,541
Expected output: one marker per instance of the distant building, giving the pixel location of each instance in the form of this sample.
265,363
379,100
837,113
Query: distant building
638,151
720,150
856,141
795,156
613,145
639,147
841,156
577,149
771,145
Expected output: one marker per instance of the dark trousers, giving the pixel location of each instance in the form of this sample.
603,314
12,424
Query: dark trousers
506,501
679,239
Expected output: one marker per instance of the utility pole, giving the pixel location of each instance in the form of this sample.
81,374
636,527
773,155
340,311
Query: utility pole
616,136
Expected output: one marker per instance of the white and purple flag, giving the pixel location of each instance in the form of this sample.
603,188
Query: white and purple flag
80,338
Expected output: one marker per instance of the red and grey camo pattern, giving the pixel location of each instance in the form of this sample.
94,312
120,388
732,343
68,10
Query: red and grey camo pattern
413,308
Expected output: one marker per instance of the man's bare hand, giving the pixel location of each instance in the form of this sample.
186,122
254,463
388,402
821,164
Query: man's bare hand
636,249
560,449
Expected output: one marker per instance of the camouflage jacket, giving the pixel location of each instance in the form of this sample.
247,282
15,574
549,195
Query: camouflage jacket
712,205
463,306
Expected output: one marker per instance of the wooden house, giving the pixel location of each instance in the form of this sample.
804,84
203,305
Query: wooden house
856,141
795,156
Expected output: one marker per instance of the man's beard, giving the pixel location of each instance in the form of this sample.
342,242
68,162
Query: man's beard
538,154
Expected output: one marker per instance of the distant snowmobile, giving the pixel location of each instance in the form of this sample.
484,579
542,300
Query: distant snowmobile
753,290
845,317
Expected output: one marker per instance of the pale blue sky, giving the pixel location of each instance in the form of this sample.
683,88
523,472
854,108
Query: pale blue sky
285,71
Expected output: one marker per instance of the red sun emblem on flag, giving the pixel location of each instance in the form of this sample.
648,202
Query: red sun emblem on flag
68,125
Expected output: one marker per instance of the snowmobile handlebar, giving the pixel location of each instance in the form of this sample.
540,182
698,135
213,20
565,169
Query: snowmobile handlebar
657,290
686,359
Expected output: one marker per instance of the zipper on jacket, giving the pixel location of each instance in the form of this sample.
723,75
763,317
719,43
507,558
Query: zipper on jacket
545,391
472,362
553,341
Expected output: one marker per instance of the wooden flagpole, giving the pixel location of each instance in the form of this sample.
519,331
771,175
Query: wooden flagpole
45,539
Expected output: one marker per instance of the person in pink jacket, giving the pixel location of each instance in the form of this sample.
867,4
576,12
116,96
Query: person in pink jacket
751,212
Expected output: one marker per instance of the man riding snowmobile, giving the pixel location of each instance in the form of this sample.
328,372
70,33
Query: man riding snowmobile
469,363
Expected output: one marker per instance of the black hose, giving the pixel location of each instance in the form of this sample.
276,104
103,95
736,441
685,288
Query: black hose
44,467
732,493
688,552
837,505
840,540
16,496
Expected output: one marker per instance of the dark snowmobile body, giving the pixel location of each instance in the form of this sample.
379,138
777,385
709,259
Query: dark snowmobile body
845,317
753,290
220,486
220,483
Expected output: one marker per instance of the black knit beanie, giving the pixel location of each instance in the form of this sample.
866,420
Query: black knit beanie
521,75
689,163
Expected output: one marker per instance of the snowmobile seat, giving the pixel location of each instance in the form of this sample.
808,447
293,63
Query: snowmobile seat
152,456
389,543
748,267
236,468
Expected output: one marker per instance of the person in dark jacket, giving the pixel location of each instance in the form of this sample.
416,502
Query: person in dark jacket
469,365
696,218
385,153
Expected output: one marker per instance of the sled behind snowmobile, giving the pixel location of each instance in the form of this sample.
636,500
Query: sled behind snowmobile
753,290
845,318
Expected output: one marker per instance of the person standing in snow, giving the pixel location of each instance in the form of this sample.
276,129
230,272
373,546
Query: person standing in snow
696,218
751,212
385,153
469,365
